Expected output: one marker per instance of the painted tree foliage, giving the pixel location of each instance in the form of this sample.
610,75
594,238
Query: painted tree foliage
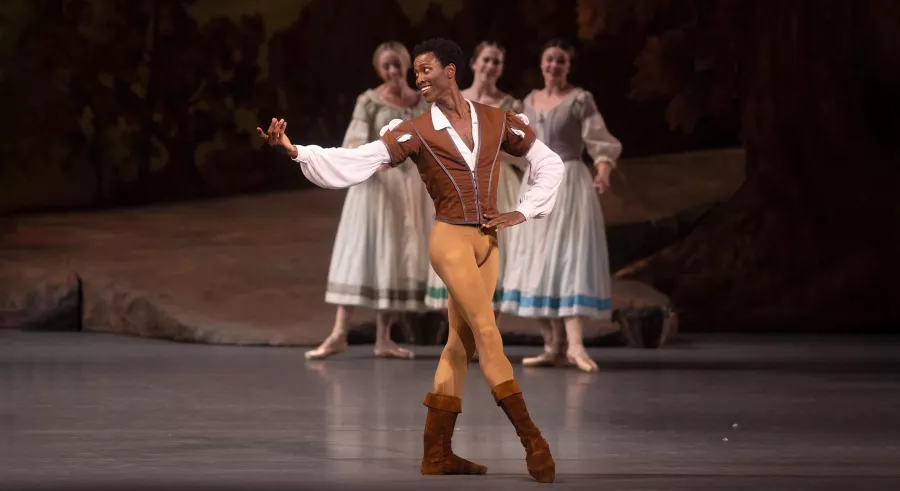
127,90
149,101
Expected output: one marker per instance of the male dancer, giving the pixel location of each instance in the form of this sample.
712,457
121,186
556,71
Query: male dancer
455,147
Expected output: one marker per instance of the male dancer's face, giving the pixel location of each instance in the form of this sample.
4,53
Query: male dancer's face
433,79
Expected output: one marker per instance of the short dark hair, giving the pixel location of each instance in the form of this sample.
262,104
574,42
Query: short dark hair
445,50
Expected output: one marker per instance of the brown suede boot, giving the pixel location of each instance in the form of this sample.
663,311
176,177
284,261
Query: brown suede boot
537,451
438,458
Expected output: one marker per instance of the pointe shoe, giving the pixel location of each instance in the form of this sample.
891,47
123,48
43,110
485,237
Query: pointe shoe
391,350
538,460
580,359
330,347
545,359
438,457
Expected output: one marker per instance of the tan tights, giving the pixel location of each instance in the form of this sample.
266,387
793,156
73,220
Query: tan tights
466,258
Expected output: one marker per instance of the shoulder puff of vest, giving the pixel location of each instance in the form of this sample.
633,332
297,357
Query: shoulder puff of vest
390,126
517,131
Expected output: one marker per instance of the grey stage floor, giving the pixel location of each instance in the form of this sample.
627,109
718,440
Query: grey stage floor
98,411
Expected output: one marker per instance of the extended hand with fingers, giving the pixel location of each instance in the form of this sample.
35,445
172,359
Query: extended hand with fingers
503,220
276,136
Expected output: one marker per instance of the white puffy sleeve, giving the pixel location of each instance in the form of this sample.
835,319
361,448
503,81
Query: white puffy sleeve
358,158
337,168
600,144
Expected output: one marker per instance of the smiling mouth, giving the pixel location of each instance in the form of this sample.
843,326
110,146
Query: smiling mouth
424,89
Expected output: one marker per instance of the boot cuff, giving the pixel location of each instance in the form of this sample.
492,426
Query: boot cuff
505,389
443,402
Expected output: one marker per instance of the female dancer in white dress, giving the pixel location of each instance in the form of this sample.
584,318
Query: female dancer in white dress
379,259
557,269
487,67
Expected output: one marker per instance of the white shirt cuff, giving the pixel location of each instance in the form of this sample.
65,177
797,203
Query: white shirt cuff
302,154
527,210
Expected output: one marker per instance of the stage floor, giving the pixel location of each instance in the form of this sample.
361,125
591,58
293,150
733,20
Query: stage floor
101,411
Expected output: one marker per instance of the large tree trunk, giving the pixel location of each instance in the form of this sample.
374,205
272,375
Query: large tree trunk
809,241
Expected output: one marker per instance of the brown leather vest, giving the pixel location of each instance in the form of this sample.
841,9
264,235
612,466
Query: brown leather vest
461,195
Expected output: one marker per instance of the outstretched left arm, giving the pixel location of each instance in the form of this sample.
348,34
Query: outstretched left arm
332,168
337,168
